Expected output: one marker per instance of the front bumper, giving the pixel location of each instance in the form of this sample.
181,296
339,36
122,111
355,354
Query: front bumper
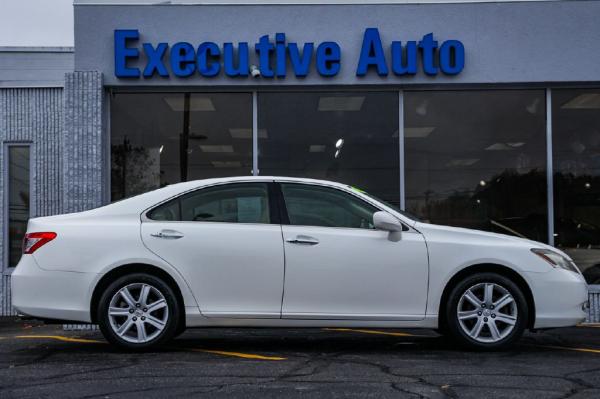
51,294
560,298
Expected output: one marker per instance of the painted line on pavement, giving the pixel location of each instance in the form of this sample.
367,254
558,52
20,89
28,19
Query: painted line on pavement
237,354
94,341
393,334
589,325
61,338
567,348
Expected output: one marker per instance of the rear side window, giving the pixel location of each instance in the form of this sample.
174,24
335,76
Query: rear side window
327,207
229,203
167,212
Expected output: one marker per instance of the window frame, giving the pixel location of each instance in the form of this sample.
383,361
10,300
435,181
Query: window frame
7,269
285,214
274,212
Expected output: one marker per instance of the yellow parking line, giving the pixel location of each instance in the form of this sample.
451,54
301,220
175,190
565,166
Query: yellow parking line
238,354
592,325
566,348
61,338
93,341
393,334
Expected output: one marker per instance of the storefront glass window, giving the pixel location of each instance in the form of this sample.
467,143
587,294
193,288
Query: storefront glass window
18,199
576,161
349,137
477,159
163,138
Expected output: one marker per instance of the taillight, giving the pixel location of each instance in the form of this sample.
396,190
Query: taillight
33,241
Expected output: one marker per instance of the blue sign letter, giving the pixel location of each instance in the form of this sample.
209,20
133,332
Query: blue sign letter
206,51
328,58
182,59
229,59
428,46
155,56
371,54
122,53
264,48
452,57
301,64
404,62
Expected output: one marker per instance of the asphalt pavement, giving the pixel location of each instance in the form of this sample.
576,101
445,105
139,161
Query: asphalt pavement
46,361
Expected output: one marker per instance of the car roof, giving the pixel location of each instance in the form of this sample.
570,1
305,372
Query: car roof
206,182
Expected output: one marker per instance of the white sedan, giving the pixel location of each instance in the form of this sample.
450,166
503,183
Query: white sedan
286,252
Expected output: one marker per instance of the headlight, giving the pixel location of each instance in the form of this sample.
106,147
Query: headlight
555,259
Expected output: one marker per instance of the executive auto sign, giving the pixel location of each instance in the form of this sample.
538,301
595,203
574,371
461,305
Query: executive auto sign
208,59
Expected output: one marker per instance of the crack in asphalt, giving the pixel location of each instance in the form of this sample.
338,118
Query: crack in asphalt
318,362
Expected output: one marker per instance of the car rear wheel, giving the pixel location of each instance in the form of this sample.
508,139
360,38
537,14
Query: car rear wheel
486,311
138,311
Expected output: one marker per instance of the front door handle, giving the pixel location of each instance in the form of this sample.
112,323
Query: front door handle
302,239
168,234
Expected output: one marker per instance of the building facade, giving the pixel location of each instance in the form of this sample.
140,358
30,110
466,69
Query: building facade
477,114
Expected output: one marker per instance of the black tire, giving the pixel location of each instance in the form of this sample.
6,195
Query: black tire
442,329
180,328
171,314
462,337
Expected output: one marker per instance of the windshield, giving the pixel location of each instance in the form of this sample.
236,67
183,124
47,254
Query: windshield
394,207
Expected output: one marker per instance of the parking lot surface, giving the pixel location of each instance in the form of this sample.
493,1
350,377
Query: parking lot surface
45,361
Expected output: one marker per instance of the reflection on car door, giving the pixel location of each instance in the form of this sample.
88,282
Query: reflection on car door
337,266
226,244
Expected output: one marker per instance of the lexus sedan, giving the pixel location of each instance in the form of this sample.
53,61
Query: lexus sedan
286,252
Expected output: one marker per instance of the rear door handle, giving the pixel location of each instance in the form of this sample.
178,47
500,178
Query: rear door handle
168,234
303,240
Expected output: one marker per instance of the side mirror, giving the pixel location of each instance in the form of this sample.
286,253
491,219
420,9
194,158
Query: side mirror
384,221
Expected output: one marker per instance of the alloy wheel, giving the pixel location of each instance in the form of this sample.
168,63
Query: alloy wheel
487,312
138,313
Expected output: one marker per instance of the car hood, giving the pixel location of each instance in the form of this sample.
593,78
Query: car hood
460,233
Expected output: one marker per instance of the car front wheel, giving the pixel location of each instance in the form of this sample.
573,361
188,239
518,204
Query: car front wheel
138,311
486,311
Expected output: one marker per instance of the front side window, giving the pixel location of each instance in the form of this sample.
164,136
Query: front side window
230,203
326,207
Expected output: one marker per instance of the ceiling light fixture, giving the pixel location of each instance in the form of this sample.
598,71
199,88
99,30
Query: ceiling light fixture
246,133
339,143
226,164
197,103
340,103
504,146
316,148
462,162
216,148
583,101
416,132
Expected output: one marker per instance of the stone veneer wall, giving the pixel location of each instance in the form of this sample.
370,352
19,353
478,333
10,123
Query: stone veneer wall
35,116
66,131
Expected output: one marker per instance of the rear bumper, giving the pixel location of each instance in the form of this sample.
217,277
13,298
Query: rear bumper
560,298
51,294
